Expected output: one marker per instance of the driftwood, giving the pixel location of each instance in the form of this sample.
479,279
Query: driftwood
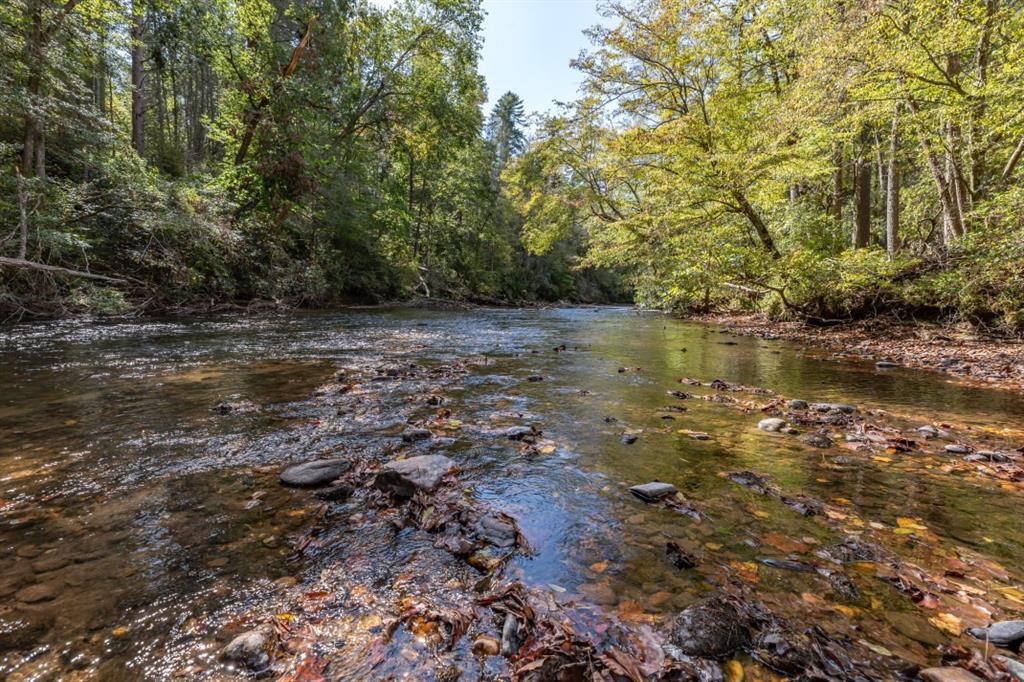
32,265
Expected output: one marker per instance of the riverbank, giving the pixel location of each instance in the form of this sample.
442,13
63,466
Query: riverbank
960,352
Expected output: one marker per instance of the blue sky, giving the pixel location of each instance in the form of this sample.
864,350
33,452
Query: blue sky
528,45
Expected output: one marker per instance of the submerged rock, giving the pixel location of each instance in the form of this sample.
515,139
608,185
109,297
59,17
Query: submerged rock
1007,634
957,449
497,529
524,433
336,493
413,435
771,424
711,629
887,364
948,674
249,649
628,438
833,407
402,478
317,472
651,492
817,440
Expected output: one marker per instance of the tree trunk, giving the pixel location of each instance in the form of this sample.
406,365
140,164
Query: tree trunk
861,202
22,214
138,56
955,224
837,185
34,64
757,223
892,191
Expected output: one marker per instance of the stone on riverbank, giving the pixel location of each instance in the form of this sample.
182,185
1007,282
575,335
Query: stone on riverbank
654,491
317,472
402,478
797,404
771,424
1007,634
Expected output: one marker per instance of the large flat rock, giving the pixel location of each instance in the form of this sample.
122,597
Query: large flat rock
403,477
317,472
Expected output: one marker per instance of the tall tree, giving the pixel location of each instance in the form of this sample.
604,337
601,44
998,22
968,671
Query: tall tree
505,129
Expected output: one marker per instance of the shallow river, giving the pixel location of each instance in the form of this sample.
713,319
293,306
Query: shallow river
141,530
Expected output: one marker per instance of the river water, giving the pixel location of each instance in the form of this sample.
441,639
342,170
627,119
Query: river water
141,530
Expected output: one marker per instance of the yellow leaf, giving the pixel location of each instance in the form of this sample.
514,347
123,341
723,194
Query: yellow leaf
879,458
948,623
733,671
713,546
599,567
1012,593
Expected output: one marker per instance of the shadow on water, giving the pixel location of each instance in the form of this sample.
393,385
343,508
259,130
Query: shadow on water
139,524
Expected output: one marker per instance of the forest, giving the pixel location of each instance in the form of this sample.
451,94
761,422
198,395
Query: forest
814,160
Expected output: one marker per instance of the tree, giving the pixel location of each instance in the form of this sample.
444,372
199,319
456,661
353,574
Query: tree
505,129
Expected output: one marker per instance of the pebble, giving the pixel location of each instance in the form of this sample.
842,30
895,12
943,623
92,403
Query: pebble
51,563
486,646
833,407
957,449
655,490
797,404
33,594
817,440
771,424
520,433
413,435
249,648
317,472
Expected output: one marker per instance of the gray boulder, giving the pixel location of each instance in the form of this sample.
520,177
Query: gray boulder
317,472
403,477
797,404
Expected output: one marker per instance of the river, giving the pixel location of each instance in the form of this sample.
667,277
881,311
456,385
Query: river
142,529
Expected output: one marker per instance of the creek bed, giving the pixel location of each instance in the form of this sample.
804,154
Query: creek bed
143,527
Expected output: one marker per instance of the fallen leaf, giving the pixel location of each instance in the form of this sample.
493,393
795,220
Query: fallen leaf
948,623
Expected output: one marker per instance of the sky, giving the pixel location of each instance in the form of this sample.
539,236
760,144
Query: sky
528,45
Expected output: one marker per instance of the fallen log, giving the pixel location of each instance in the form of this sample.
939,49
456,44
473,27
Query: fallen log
32,265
